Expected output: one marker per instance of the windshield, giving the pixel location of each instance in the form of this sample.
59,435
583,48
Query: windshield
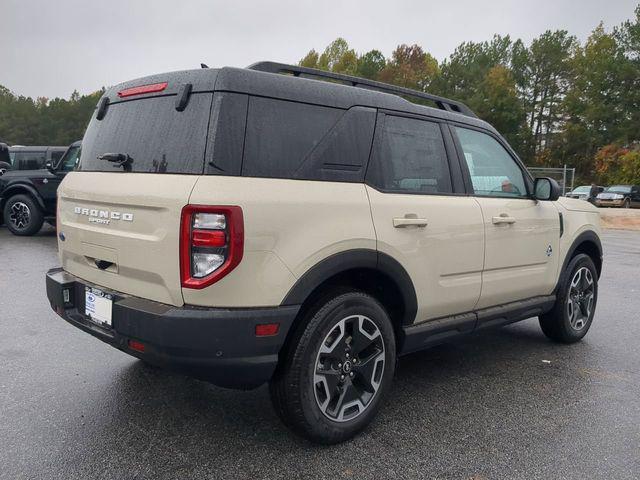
68,162
157,137
619,188
583,189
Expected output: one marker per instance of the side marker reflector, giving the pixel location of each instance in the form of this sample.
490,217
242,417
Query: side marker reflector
267,329
137,346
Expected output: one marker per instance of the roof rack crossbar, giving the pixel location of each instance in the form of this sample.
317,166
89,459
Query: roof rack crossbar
441,102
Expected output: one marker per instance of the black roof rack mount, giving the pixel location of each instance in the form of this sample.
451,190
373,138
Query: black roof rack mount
441,102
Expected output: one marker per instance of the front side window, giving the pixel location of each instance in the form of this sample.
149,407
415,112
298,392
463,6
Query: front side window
56,156
493,171
69,160
619,189
411,158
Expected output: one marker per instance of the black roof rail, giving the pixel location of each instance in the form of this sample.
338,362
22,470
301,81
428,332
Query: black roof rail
441,102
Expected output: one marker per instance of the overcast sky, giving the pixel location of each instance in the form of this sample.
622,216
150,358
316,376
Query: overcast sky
51,47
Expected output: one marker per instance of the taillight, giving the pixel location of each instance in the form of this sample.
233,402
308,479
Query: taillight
211,243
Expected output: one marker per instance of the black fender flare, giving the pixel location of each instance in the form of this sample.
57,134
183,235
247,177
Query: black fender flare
586,236
18,188
354,259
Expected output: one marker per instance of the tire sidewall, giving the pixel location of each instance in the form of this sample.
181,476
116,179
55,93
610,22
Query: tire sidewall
320,325
579,261
36,219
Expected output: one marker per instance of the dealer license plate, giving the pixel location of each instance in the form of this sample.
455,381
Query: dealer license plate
97,306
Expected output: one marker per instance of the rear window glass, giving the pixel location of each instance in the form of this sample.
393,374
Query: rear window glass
153,133
281,134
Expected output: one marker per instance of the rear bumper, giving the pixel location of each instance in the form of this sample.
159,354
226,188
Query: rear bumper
218,345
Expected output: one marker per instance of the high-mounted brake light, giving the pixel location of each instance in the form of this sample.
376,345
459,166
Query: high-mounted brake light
142,89
211,243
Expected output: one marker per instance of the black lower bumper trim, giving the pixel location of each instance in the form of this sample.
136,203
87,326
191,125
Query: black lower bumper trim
218,345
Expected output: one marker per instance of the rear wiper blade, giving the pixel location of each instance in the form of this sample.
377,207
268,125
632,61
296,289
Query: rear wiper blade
123,160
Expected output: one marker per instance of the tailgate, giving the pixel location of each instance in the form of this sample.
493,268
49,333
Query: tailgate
122,231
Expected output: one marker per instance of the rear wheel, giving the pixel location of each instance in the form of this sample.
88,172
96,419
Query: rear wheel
22,215
337,369
4,167
572,314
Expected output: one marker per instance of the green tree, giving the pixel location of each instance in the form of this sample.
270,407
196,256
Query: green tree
310,60
410,67
338,57
371,64
543,73
595,103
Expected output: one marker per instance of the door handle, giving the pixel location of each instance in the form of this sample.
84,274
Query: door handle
503,219
409,220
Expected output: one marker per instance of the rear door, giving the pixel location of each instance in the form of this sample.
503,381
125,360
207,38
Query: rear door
29,159
522,234
120,223
435,233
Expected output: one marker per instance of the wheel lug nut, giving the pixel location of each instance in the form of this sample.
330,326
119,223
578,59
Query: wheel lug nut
339,365
341,377
351,374
347,355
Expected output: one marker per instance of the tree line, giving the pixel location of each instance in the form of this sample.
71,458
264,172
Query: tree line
557,101
25,121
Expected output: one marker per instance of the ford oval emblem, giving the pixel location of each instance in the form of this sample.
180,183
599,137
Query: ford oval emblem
61,237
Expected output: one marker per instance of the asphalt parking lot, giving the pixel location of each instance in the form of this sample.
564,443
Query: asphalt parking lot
504,404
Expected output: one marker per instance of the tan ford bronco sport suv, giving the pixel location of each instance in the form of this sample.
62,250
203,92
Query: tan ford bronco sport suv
266,225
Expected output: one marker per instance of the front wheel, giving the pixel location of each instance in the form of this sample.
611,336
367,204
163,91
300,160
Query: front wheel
627,203
572,314
337,369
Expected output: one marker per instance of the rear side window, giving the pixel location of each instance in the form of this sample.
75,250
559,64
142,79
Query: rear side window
153,133
410,157
281,134
29,160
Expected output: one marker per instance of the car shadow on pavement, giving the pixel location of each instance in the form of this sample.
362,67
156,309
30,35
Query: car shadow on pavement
449,390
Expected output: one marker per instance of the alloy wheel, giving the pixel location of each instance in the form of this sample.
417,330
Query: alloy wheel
581,298
349,368
20,215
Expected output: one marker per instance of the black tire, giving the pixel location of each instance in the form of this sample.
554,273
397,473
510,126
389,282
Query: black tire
626,203
567,323
296,391
23,215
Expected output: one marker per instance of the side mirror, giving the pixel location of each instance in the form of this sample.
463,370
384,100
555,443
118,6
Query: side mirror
545,188
49,166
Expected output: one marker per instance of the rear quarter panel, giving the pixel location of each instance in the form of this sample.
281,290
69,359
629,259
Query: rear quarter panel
290,225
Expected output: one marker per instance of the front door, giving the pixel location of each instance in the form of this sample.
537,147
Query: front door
522,235
436,235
